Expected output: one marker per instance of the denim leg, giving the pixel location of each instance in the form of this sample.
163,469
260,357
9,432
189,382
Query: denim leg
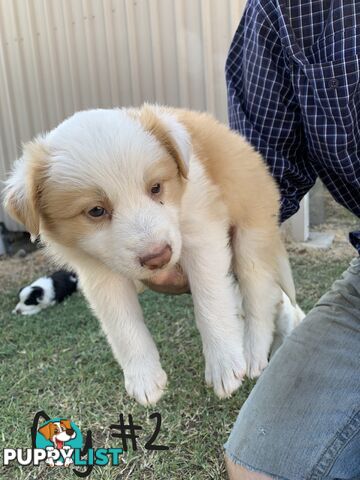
302,419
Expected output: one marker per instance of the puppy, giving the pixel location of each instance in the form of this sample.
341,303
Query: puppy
121,195
45,292
58,433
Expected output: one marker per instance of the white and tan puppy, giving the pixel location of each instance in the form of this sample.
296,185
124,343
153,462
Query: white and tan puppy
119,195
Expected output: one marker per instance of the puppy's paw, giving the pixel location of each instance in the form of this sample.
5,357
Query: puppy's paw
145,384
255,364
225,369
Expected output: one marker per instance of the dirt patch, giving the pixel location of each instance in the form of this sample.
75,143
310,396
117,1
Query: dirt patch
16,272
341,249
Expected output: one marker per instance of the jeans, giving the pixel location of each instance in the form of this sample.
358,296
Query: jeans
302,419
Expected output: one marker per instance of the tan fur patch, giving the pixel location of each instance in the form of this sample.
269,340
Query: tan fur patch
63,211
156,127
165,172
247,187
24,206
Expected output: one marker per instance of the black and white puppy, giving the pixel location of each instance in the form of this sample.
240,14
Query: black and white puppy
45,292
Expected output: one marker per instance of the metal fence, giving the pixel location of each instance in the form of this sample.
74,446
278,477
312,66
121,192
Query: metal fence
59,56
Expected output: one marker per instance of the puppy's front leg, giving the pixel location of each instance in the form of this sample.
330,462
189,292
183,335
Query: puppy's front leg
115,302
207,262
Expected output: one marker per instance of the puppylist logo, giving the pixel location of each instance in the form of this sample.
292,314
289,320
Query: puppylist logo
58,442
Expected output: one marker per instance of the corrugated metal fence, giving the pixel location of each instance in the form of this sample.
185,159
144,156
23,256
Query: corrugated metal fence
59,56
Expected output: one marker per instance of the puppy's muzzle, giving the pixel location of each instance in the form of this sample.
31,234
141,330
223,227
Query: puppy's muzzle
157,257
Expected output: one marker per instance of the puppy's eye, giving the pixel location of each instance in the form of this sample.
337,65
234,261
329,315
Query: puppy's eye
155,189
97,212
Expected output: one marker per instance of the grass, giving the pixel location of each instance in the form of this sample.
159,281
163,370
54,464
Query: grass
59,361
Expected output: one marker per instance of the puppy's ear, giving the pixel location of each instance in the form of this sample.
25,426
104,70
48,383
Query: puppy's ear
23,188
171,133
47,431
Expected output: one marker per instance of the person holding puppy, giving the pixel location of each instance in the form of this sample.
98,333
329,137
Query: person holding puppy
293,90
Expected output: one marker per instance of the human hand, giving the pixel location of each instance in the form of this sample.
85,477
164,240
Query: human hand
172,281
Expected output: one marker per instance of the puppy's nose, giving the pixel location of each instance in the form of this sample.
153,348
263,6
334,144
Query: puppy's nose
157,257
17,310
70,431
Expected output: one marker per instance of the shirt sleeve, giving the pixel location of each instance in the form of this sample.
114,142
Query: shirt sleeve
263,107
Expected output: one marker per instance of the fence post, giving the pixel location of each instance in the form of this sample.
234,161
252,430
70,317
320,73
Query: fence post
299,223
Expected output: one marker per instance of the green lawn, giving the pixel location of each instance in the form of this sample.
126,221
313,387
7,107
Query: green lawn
60,362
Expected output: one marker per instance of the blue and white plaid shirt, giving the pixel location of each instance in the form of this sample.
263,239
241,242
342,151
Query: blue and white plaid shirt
293,75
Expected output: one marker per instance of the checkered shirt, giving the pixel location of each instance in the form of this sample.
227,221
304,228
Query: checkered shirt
292,75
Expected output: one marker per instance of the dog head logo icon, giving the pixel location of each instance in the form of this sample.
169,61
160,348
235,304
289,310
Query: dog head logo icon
58,432
59,436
